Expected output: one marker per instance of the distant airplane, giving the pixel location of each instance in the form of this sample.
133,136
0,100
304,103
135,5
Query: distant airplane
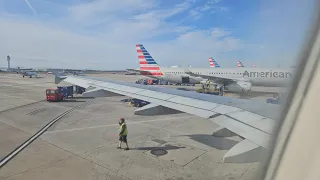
77,73
73,72
30,74
22,70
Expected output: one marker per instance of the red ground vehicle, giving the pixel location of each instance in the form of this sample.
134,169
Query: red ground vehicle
53,95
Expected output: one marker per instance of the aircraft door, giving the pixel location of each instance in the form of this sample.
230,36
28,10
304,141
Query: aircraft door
185,80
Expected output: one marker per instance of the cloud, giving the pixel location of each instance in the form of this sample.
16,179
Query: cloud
32,9
36,40
100,9
102,34
210,6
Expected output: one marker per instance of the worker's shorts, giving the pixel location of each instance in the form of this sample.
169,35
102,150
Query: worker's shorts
123,138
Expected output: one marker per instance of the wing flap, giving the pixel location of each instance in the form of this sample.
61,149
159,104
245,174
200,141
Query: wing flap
254,120
248,132
224,109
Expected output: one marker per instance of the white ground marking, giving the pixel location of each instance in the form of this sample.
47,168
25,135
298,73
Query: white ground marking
109,125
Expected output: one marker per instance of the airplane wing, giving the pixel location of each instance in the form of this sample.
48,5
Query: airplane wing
251,119
216,79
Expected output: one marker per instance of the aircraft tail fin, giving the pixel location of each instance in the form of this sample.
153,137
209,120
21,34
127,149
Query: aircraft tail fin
213,63
148,66
239,64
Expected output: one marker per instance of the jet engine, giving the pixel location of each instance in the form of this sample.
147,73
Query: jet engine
237,87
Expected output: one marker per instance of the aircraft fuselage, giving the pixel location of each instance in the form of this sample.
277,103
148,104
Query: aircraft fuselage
257,76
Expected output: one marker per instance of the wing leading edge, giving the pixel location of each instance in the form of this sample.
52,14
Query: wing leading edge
216,79
252,120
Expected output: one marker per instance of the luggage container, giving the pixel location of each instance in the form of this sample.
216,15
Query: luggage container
66,91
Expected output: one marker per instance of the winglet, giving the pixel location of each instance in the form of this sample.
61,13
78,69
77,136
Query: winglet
58,79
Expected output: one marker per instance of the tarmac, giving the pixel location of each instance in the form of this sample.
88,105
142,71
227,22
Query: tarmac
82,144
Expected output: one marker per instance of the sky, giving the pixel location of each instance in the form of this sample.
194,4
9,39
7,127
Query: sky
101,34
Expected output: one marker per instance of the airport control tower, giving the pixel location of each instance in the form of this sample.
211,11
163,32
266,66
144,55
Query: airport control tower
8,59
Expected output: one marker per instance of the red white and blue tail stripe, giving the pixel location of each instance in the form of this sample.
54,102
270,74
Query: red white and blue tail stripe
213,63
239,64
148,66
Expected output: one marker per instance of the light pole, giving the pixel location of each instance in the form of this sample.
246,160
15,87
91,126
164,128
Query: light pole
8,59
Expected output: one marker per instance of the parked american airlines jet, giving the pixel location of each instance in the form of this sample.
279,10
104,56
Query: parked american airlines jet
234,79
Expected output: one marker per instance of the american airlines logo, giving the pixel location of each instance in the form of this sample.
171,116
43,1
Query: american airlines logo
269,74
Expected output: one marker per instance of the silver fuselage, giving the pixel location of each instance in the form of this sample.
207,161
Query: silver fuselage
257,76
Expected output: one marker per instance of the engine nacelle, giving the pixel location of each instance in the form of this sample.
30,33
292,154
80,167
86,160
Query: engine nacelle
237,87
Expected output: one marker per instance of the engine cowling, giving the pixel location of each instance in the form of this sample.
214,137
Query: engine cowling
237,87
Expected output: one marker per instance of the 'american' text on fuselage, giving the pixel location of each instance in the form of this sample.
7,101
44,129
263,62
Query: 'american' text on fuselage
269,74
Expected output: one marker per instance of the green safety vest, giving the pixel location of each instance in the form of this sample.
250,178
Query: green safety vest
125,132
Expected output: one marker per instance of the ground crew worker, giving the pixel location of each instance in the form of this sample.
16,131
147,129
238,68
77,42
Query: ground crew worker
123,133
208,83
221,91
